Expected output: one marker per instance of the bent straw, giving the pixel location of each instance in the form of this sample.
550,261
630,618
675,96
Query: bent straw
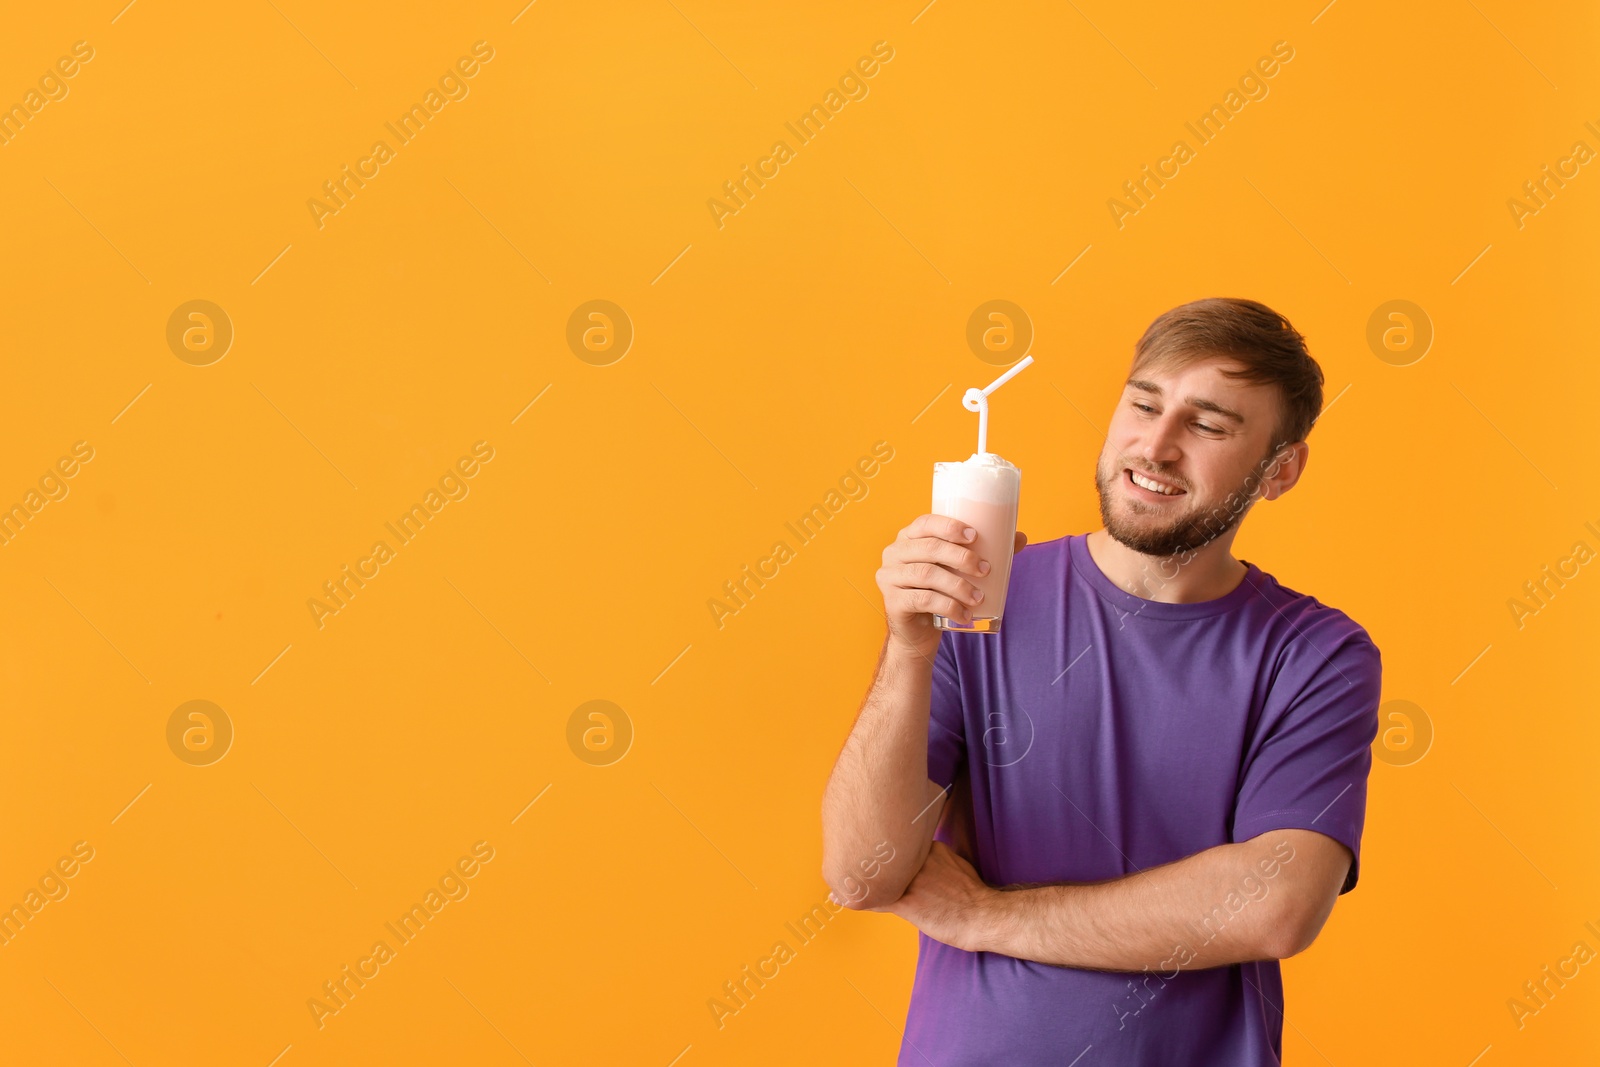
978,400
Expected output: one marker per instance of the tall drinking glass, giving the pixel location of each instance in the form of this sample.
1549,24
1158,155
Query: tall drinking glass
982,492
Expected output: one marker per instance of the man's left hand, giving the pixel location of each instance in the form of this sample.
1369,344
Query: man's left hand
948,901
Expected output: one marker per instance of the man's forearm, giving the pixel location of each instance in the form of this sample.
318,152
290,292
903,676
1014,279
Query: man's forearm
1217,907
879,790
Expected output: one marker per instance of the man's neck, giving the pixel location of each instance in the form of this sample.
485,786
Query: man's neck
1207,574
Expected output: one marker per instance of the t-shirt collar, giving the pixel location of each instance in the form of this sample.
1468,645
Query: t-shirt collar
1084,569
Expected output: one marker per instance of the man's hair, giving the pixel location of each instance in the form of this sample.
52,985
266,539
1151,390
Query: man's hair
1269,349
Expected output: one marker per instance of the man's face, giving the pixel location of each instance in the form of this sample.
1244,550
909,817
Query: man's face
1199,436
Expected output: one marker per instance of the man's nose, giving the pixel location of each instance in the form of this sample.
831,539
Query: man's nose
1160,442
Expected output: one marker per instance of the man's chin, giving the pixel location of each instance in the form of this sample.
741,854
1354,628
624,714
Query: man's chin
1158,540
1132,524
1140,541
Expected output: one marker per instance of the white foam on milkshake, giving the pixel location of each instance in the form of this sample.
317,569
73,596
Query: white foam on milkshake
985,477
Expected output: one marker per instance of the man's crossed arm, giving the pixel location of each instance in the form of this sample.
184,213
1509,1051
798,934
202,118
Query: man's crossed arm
1265,898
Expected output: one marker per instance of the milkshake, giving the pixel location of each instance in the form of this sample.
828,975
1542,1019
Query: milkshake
984,493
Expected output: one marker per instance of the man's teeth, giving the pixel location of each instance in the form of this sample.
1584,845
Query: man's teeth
1155,487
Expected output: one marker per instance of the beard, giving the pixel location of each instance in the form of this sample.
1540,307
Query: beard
1138,527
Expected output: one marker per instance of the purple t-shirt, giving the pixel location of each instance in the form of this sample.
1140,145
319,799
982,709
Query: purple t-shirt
1102,733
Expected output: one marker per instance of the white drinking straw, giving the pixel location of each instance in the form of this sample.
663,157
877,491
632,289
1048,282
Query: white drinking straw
978,400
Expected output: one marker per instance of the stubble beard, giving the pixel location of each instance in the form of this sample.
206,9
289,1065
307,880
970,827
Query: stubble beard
1197,526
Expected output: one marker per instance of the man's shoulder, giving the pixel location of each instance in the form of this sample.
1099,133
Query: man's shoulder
1039,552
1038,558
1308,619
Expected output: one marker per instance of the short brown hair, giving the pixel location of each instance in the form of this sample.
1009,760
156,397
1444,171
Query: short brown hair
1271,351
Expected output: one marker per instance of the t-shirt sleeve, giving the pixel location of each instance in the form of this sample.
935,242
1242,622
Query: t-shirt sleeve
947,739
1310,771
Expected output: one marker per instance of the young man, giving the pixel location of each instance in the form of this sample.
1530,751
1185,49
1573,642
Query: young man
1155,772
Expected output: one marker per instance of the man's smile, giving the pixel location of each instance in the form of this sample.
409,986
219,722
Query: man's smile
1146,487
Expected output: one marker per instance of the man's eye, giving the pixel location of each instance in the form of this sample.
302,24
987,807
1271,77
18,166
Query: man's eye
1143,407
1209,429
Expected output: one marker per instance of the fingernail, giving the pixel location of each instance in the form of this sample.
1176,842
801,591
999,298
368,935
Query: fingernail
978,596
983,566
970,532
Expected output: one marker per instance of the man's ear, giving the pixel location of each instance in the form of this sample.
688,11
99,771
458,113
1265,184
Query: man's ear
1284,469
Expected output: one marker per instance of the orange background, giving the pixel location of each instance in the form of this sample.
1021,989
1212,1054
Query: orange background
769,355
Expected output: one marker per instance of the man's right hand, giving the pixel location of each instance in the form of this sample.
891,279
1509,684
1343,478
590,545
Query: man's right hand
929,570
